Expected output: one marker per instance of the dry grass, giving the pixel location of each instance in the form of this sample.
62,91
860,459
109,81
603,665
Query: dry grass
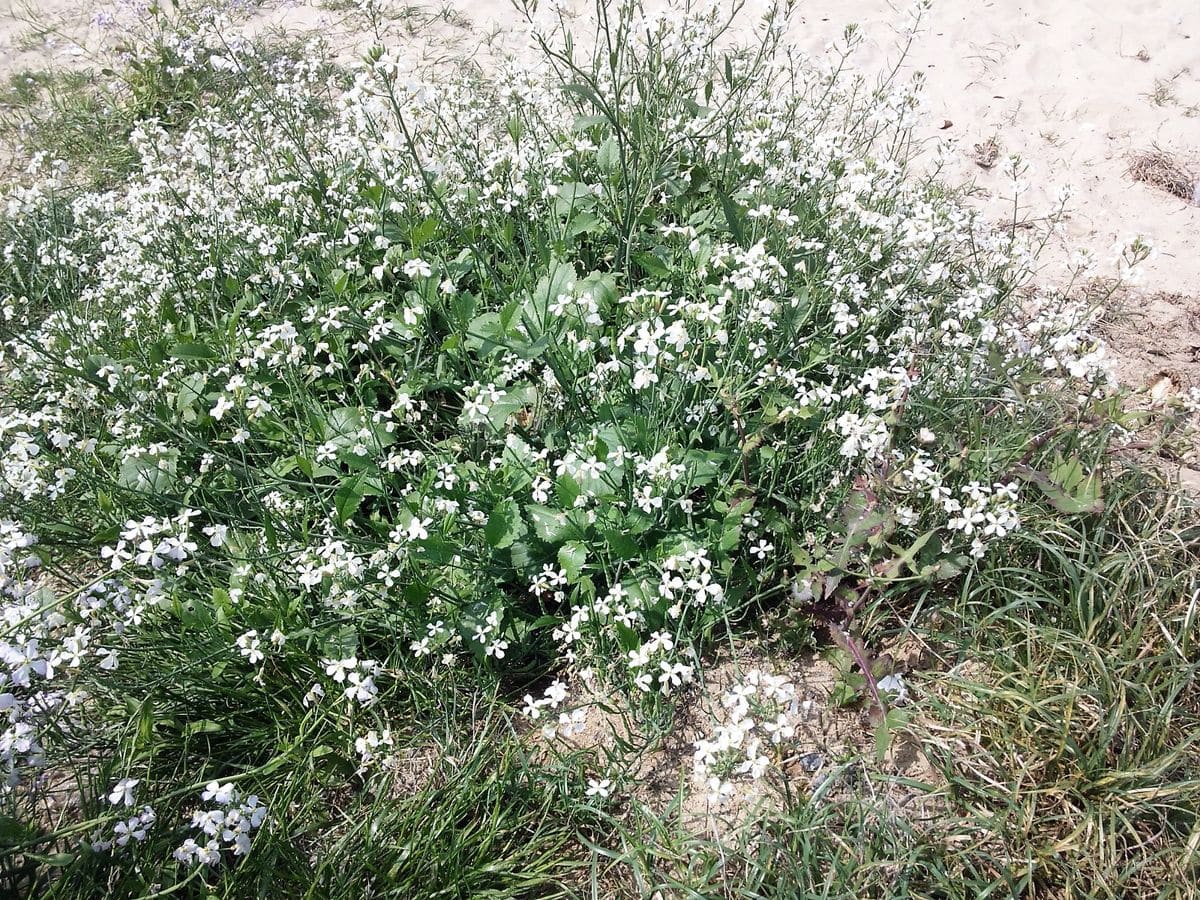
1165,171
986,153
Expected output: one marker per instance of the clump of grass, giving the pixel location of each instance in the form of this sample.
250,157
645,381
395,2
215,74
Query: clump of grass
1074,732
986,153
71,115
1163,93
1165,171
1062,721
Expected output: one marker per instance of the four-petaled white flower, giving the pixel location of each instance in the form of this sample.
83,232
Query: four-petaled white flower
124,792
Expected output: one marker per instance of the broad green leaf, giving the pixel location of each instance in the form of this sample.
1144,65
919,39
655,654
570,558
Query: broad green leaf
566,490
338,282
341,643
1085,498
585,91
584,223
348,498
627,637
193,351
608,156
734,216
620,545
149,474
549,524
504,525
651,264
424,232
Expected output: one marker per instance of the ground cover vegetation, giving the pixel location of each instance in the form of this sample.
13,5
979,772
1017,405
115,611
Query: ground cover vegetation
363,425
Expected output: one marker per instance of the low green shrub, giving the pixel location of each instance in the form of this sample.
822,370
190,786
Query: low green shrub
354,388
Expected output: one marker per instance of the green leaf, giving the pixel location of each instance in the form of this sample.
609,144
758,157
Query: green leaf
504,525
584,223
191,391
566,490
620,545
731,534
583,123
1082,499
341,643
57,860
652,264
586,92
424,232
149,474
572,556
13,831
893,568
342,425
349,497
145,728
627,637
338,282
523,557
193,351
551,525
608,156
733,215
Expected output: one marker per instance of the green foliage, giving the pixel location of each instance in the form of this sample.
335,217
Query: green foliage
350,411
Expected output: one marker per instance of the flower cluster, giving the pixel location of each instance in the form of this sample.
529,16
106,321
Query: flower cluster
761,713
133,828
227,826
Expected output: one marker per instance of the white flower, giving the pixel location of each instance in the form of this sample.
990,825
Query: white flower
643,378
417,529
601,788
217,534
108,658
337,668
249,645
895,686
222,794
123,792
417,268
314,695
222,406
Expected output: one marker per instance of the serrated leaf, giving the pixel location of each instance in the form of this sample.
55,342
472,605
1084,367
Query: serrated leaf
627,637
340,644
504,525
584,222
149,474
652,264
733,215
348,498
620,545
1085,498
566,490
549,524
